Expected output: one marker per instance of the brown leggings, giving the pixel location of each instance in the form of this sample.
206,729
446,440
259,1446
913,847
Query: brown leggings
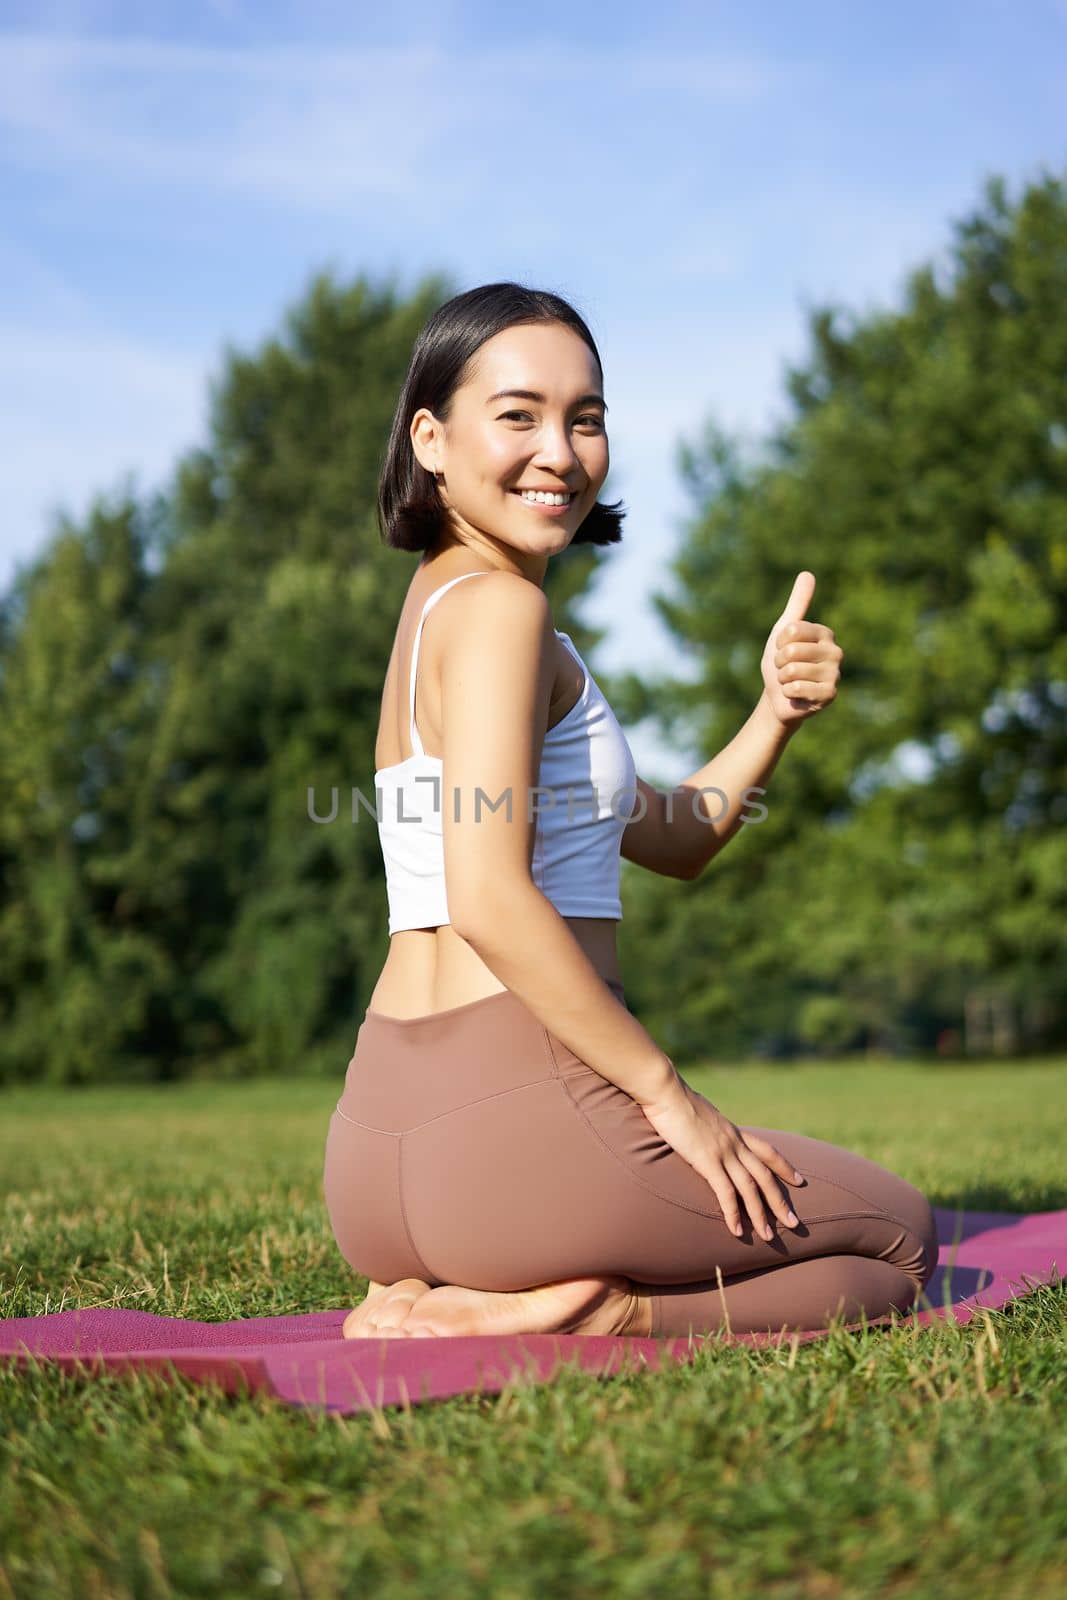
470,1146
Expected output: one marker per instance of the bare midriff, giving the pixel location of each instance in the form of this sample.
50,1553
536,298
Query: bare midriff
434,969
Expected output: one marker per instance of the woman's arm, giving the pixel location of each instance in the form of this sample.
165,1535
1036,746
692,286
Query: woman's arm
801,666
680,832
496,684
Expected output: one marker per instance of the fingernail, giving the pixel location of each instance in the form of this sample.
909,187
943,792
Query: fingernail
791,1217
799,1178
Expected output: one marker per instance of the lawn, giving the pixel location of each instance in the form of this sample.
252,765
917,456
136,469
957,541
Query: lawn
925,1462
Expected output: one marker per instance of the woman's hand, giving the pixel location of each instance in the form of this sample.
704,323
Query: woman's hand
801,659
733,1162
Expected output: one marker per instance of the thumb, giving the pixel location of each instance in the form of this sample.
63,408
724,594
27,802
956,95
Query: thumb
800,597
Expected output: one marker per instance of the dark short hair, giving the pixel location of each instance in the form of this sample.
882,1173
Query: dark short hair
410,512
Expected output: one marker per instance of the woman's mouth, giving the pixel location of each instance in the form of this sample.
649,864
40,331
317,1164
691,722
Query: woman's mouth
551,505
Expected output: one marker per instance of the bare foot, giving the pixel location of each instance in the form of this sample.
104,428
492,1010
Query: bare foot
411,1309
383,1308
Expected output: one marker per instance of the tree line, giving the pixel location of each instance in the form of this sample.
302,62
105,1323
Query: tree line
179,668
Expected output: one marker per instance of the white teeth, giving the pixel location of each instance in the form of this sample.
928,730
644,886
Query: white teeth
538,498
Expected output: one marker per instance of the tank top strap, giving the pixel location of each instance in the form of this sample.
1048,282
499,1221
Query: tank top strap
431,601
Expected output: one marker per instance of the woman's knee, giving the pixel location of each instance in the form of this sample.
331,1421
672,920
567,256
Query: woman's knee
886,1191
913,1209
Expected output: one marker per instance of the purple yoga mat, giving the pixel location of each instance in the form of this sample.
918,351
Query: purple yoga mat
986,1259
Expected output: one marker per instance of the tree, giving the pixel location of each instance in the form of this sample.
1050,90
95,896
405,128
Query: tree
175,679
79,983
912,872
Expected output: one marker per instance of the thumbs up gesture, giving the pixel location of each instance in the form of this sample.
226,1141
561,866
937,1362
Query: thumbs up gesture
800,662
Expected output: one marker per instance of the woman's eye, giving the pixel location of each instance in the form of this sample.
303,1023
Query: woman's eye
589,417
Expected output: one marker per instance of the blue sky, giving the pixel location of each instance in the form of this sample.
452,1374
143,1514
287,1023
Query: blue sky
693,176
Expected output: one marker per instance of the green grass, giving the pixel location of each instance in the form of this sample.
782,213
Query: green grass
883,1462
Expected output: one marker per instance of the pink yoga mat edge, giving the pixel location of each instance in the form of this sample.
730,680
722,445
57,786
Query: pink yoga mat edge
986,1260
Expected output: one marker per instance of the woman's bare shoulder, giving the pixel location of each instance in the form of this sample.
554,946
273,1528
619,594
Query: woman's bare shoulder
501,605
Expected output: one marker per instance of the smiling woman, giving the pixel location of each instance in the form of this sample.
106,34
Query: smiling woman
512,1151
471,357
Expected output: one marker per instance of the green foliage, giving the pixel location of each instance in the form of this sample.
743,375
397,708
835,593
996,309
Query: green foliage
183,686
78,980
179,677
172,687
912,873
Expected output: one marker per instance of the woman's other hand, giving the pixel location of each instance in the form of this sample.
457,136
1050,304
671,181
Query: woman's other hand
736,1165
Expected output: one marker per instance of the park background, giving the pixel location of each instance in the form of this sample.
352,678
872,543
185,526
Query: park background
823,249
824,254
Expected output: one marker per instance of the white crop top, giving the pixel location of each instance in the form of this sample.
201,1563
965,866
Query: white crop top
588,772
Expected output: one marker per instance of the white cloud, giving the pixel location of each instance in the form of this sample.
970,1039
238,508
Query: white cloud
316,128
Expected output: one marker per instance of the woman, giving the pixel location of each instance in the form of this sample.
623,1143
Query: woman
512,1151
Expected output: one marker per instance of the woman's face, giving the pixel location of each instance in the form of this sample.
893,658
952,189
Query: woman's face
497,444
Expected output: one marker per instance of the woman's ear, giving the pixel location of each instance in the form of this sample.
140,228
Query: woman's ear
425,440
